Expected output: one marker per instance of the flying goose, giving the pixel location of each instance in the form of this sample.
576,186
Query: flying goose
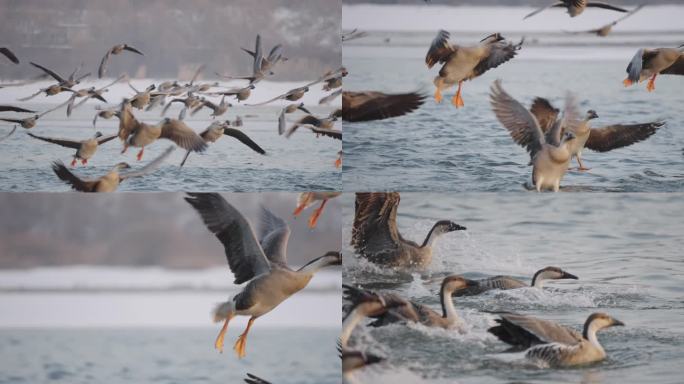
552,343
306,199
105,114
576,7
3,138
602,139
291,95
649,63
142,98
115,50
291,108
367,304
606,29
62,83
29,122
371,105
463,63
85,149
257,73
410,311
549,154
217,130
323,123
216,109
171,129
375,235
109,182
274,57
508,282
241,94
9,55
87,94
189,102
262,263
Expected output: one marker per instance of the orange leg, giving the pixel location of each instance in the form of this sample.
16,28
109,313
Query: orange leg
241,342
140,154
301,206
218,344
338,162
438,95
316,214
73,162
627,82
651,83
458,100
84,161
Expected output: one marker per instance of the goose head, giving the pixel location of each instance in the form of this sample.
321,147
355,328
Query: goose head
591,114
441,227
598,321
550,273
455,283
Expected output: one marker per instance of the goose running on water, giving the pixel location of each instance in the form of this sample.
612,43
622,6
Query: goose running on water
508,282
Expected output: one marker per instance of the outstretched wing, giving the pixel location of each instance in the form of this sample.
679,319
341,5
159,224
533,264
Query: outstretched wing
150,167
367,106
375,227
244,254
9,54
62,142
49,72
273,236
440,49
74,181
620,135
499,53
244,139
544,112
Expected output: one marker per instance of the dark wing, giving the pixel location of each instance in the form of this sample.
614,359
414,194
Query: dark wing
499,53
74,181
49,72
335,134
149,167
18,121
440,49
102,69
595,4
620,135
526,331
105,139
9,134
244,139
544,112
62,142
367,106
178,132
245,256
308,119
10,108
252,379
281,122
375,222
520,123
675,69
132,49
8,54
273,236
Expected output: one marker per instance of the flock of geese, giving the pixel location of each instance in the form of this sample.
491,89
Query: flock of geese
376,238
551,138
193,96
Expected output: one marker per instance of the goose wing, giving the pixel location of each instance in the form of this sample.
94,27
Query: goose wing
9,54
520,123
244,139
105,139
556,4
149,167
11,108
132,49
675,69
245,256
274,234
440,49
335,134
9,134
178,132
63,142
398,308
525,331
596,4
375,222
498,53
554,354
620,135
49,72
544,112
281,122
366,106
253,379
76,183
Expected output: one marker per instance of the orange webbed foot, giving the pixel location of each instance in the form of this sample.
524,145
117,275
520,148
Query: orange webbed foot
438,96
627,82
650,86
140,154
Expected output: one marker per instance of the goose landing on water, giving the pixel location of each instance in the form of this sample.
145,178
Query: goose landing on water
262,263
554,344
403,310
375,235
507,282
649,63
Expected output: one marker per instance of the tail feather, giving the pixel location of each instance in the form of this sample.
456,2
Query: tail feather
222,311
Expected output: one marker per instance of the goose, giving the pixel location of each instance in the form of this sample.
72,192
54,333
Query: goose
461,63
552,343
601,139
217,130
62,83
291,95
649,63
410,311
115,50
141,99
110,181
576,7
87,94
325,100
291,108
257,73
105,114
331,79
85,149
372,105
216,109
241,94
3,138
375,235
306,199
262,263
324,123
508,282
9,55
171,129
189,102
606,29
274,57
367,304
549,154
31,121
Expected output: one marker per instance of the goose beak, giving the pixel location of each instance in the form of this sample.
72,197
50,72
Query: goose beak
617,323
456,227
567,275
